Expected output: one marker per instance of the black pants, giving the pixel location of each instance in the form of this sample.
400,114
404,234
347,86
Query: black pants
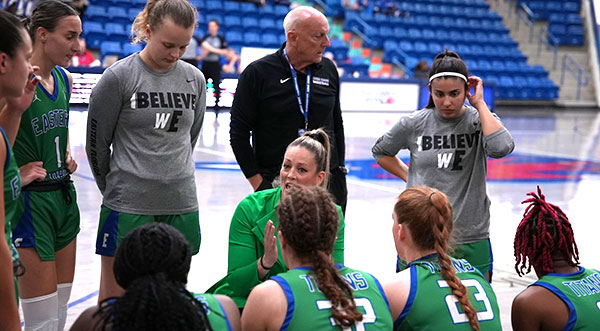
213,70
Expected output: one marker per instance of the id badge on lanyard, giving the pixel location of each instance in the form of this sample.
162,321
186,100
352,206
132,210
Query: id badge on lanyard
303,109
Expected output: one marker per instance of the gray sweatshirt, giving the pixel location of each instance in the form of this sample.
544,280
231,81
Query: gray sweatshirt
451,156
152,121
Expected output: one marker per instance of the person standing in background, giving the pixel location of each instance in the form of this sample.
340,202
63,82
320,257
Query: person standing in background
213,47
284,94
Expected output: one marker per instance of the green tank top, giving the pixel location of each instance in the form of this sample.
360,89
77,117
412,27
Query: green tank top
217,317
44,128
309,309
12,190
430,297
580,291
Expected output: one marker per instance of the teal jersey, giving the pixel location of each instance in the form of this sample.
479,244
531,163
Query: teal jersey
44,128
430,297
309,309
12,191
580,291
217,317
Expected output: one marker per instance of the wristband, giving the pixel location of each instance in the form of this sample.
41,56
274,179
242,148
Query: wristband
263,266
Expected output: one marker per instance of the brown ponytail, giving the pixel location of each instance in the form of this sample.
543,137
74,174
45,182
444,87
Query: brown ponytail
428,215
308,220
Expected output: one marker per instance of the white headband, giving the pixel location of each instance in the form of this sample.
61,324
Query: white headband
447,73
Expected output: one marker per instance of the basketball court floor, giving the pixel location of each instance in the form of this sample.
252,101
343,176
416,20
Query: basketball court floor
558,150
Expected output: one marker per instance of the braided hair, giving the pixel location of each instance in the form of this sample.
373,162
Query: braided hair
151,264
447,61
545,230
427,213
308,220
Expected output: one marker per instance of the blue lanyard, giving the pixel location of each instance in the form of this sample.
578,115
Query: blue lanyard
303,111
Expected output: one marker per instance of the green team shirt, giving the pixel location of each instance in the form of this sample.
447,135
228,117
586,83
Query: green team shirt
217,317
44,128
309,309
430,306
580,291
12,190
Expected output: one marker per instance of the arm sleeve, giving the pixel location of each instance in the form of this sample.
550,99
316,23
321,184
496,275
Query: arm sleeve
392,141
338,127
498,144
243,121
199,111
242,274
103,113
338,247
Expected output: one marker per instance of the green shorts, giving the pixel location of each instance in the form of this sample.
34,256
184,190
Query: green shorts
479,254
47,223
115,225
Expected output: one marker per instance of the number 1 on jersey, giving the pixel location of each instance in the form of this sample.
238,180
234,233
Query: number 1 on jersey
57,143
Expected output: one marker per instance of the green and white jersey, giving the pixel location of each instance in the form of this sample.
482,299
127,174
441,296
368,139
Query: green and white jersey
217,317
309,309
430,306
12,190
580,291
44,128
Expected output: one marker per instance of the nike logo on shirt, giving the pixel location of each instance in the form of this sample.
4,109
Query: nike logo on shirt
284,80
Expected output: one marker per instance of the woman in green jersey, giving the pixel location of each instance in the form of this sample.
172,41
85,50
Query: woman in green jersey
253,246
152,264
48,221
15,79
435,291
315,294
567,295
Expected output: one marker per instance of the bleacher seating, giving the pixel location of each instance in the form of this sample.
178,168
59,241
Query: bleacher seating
430,26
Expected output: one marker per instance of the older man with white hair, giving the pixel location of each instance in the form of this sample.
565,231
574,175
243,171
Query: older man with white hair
283,94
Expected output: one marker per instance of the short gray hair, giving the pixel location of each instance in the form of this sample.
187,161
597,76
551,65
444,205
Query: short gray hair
291,19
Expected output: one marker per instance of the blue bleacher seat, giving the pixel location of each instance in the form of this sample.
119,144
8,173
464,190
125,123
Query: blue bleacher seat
267,11
232,22
200,4
250,24
252,39
267,25
118,15
110,48
231,7
94,34
96,12
572,7
281,11
116,32
132,13
213,6
234,37
129,48
415,34
270,40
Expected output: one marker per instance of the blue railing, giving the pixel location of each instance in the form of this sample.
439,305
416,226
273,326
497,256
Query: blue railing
551,42
569,64
527,16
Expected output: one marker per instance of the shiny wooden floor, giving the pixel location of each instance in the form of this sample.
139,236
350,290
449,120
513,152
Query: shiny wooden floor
557,150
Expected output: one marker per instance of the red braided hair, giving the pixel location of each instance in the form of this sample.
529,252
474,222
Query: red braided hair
544,230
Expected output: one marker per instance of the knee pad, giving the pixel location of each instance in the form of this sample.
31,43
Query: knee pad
64,293
40,313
